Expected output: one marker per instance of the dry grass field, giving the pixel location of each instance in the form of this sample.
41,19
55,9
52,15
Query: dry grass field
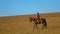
21,24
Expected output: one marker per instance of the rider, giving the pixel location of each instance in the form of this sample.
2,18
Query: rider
38,17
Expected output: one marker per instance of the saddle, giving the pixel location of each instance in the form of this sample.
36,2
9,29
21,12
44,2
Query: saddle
38,21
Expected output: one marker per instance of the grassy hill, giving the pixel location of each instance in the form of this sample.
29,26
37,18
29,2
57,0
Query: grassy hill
21,24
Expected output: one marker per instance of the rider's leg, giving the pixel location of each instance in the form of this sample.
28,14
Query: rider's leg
38,21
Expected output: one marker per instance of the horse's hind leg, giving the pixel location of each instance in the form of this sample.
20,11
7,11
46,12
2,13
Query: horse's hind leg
44,26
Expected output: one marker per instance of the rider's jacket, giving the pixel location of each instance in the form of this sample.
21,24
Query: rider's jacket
37,16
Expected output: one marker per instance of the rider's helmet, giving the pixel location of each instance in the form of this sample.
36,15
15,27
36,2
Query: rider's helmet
37,13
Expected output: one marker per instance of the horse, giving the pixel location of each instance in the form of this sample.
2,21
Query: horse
41,21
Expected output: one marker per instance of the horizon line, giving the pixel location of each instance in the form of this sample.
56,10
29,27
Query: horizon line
27,14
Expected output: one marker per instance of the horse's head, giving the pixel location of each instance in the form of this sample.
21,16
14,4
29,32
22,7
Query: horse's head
32,19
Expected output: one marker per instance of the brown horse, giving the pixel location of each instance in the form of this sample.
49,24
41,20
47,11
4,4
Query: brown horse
42,20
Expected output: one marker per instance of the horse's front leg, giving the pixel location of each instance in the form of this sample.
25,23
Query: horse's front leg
36,26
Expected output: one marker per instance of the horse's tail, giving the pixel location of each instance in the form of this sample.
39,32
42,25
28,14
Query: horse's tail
44,21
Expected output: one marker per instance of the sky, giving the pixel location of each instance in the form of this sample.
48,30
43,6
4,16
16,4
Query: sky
23,7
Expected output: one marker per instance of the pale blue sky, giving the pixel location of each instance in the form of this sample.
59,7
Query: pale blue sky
22,7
